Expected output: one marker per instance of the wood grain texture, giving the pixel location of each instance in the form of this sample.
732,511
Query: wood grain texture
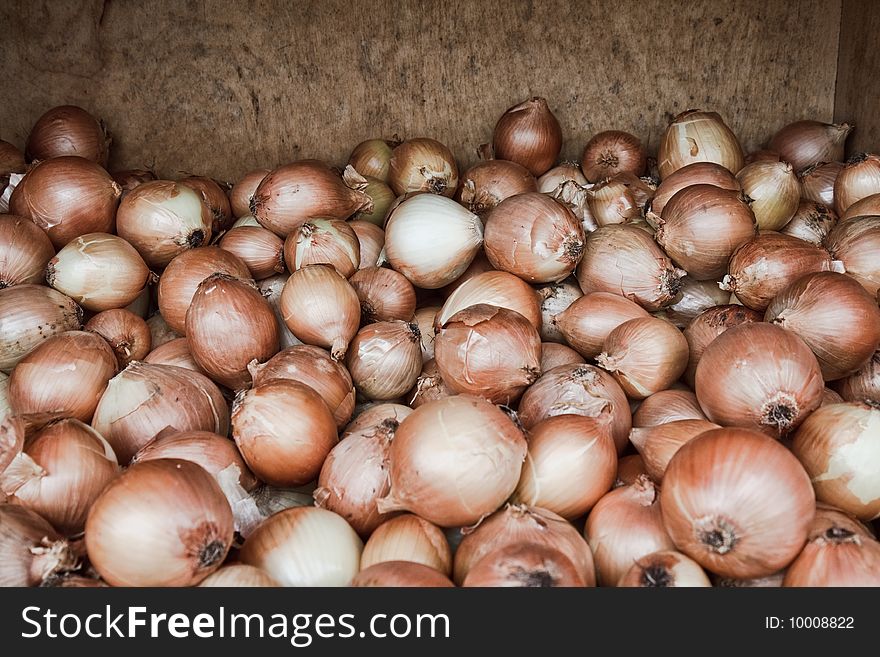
858,74
218,87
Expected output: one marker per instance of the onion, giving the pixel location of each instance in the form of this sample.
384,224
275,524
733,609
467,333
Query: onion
424,319
260,249
130,179
701,226
759,376
523,525
774,190
375,415
174,352
160,332
297,193
644,355
479,265
321,308
243,191
313,367
768,263
400,574
611,202
529,135
665,569
578,390
99,271
667,406
487,183
11,159
382,197
588,320
629,468
214,196
855,243
30,314
524,565
695,297
812,222
271,288
60,474
496,288
658,444
323,242
611,152
454,461
184,520
5,411
859,178
239,576
763,155
371,242
247,220
385,359
554,354
306,546
228,325
837,447
144,399
556,298
431,240
126,333
831,397
68,130
67,197
625,525
372,157
284,431
839,552
355,475
866,207
698,136
422,165
835,316
24,251
804,143
737,502
384,294
817,182
64,374
429,386
411,539
488,351
625,260
864,384
707,326
699,173
32,551
571,464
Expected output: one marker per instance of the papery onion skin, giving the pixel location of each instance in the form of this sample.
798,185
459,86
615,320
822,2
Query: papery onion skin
804,143
866,207
668,406
528,134
554,354
587,322
323,242
855,243
837,446
694,297
385,359
611,152
629,468
161,523
130,179
399,574
812,222
863,385
384,294
373,157
68,130
698,173
658,444
859,178
479,265
551,181
238,575
698,136
496,288
424,319
422,165
371,241
32,550
611,202
817,182
284,431
834,315
759,376
429,386
214,196
774,190
429,475
487,183
665,569
707,326
737,502
260,249
174,352
408,538
160,332
374,416
25,249
524,565
243,191
126,333
556,298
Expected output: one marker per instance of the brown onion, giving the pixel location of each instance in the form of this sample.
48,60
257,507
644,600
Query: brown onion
479,265
698,136
859,178
699,173
160,332
384,294
68,130
768,263
837,446
817,182
668,406
385,359
243,191
831,397
529,135
625,525
856,243
323,242
284,431
554,354
313,367
587,322
644,355
174,352
424,319
371,241
864,384
759,376
372,157
496,288
629,468
145,399
260,249
774,190
695,297
429,386
579,390
524,565
454,461
556,298
11,159
422,165
625,260
804,143
24,251
611,202
126,333
130,179
214,196
707,326
534,237
400,574
737,502
866,207
5,411
812,222
611,152
487,183
658,444
763,155
382,197
67,197
238,575
32,551
187,520
488,351
665,569
373,416
297,193
834,315
411,539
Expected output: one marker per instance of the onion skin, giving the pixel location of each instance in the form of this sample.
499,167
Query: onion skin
698,173
385,359
67,197
695,297
429,386
664,569
837,447
487,183
524,565
611,152
408,538
373,157
817,307
629,468
400,574
215,198
68,130
761,377
737,502
126,333
587,322
812,222
658,444
384,294
707,326
32,550
612,202
855,243
859,178
371,241
174,352
323,242
668,406
817,182
130,179
529,135
243,191
260,249
774,190
556,298
863,385
495,288
422,165
479,265
160,523
374,415
554,354
25,249
866,207
804,143
238,575
698,136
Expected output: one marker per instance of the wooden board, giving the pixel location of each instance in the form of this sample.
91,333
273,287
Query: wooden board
858,74
219,87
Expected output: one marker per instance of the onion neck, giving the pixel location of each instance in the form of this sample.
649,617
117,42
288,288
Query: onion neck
716,534
780,412
50,559
656,576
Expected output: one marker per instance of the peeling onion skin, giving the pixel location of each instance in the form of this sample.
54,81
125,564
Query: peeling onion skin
698,136
400,574
737,502
496,288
